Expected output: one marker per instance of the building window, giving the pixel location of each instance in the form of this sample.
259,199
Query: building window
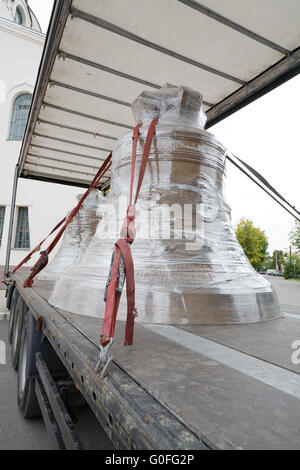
22,239
18,16
19,117
2,216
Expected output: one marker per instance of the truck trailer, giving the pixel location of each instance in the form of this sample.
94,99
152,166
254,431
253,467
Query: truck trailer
178,387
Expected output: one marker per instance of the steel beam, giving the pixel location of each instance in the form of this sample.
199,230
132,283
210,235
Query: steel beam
233,25
78,113
67,429
82,15
65,181
61,169
63,161
63,151
259,86
96,65
70,142
65,55
90,93
48,416
76,129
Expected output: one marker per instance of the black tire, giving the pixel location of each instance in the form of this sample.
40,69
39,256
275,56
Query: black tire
9,292
13,305
19,314
27,400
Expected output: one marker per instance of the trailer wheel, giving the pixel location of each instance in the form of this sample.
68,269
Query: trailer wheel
9,293
19,315
12,307
27,400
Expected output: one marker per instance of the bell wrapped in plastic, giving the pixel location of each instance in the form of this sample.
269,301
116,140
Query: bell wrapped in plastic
76,238
189,266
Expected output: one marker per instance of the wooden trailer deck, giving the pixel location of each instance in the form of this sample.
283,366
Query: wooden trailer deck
226,387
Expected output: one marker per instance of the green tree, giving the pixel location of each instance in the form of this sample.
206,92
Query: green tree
295,236
292,266
253,241
280,259
269,263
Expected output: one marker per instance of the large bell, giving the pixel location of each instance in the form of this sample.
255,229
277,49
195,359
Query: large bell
76,238
189,266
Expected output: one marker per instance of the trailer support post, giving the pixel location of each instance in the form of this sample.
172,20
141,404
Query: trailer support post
11,221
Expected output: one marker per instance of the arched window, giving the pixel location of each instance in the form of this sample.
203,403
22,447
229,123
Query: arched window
19,117
19,16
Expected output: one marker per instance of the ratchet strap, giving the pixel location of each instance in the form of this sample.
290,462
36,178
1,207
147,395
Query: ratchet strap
122,257
265,186
43,260
38,247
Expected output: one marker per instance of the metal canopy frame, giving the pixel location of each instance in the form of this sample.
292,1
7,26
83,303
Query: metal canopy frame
76,129
88,116
133,37
56,56
71,142
56,27
90,93
275,76
66,55
232,24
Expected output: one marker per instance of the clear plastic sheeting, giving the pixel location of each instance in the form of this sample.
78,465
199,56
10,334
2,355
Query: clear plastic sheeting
189,266
172,105
76,238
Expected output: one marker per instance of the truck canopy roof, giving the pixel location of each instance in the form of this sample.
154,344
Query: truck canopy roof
99,55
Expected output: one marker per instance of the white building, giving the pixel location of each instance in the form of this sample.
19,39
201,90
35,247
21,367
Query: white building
39,205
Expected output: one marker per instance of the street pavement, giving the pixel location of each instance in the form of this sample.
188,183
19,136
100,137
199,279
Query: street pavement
19,434
288,292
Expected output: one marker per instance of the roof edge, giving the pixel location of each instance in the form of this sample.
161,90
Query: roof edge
268,80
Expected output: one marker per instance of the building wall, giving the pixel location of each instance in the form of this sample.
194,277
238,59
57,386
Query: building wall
47,203
8,11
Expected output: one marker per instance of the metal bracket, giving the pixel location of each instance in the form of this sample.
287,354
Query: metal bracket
73,14
105,359
39,323
61,55
121,277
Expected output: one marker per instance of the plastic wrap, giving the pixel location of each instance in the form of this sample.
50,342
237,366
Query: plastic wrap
177,106
76,238
189,267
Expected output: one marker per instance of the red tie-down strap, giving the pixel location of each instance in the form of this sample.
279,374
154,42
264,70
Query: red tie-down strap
38,247
122,249
43,260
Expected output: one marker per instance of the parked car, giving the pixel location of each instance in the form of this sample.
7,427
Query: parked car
271,272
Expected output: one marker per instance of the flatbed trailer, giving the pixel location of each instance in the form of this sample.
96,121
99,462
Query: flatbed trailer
199,387
212,387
